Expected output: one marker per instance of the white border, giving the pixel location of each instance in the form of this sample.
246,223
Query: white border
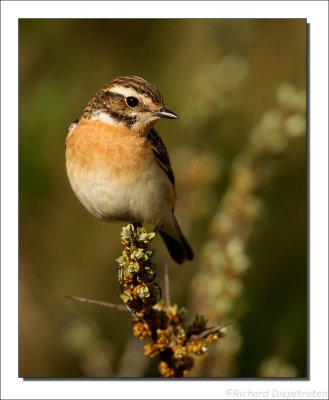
316,13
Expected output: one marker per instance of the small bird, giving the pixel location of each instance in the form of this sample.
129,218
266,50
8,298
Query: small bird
117,164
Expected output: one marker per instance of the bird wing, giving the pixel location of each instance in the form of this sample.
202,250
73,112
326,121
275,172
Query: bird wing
161,154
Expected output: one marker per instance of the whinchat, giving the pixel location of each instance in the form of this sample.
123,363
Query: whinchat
117,164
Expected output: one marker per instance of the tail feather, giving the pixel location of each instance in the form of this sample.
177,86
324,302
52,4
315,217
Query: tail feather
178,246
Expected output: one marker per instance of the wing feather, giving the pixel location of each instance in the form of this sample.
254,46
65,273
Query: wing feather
161,154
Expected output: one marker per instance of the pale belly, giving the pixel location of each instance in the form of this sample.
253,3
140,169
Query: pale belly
148,197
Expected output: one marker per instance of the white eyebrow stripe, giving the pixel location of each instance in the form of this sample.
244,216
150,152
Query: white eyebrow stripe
124,91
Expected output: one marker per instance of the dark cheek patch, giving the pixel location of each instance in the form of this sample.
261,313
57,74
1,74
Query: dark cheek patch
115,111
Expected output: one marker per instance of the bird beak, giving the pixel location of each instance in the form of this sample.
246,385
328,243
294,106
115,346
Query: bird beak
165,113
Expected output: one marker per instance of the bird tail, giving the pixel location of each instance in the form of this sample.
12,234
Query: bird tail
176,243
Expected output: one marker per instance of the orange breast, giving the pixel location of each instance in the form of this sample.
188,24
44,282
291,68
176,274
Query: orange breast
93,145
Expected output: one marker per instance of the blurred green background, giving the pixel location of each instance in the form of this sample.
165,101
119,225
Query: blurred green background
220,76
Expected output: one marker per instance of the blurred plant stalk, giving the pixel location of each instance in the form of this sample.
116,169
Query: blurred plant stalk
224,261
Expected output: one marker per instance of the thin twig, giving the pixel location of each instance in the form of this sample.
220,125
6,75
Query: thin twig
118,307
167,285
207,332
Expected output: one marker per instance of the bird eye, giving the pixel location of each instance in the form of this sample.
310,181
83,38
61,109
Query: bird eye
132,101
